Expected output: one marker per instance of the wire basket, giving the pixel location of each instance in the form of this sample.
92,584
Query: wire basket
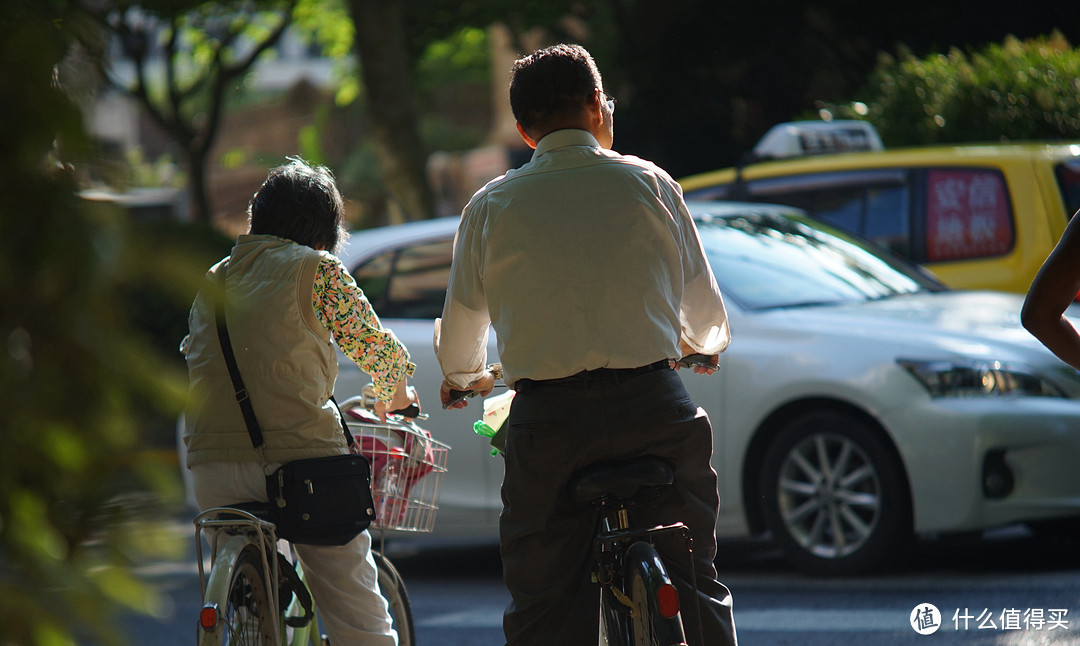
407,467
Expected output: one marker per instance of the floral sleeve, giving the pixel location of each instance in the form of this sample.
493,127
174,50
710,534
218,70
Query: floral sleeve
344,310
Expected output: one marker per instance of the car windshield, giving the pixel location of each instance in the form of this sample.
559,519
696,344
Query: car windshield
766,260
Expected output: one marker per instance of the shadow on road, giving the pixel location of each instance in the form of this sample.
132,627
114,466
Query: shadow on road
1011,550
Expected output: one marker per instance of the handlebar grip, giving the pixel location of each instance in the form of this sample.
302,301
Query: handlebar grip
458,395
697,359
410,411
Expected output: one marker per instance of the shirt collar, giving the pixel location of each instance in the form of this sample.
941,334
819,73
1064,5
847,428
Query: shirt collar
561,138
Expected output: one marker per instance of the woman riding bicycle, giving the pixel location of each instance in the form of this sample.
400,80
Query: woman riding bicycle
288,299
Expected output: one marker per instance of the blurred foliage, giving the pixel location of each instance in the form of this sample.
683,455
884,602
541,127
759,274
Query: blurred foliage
432,21
158,305
184,60
1016,90
81,502
463,57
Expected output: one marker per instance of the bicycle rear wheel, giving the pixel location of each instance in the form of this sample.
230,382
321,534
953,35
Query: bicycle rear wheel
655,619
244,612
614,619
397,599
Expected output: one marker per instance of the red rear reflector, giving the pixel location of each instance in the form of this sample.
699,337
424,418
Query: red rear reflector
208,617
668,599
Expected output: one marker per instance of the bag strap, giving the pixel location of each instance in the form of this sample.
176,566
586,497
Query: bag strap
242,398
290,585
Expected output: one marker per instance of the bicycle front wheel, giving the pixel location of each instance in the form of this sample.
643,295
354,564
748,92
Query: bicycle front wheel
244,612
397,599
655,618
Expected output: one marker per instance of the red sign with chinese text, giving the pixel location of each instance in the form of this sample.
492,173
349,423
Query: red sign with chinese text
967,215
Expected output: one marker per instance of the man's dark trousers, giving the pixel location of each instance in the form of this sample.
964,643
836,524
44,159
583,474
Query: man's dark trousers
555,429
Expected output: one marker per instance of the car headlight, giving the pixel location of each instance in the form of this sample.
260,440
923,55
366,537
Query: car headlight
973,378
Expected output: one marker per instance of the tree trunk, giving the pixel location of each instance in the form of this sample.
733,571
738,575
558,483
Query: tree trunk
198,189
387,76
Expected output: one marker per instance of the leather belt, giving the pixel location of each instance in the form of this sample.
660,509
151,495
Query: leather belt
599,375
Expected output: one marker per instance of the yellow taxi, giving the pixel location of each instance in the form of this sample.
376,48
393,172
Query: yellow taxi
979,216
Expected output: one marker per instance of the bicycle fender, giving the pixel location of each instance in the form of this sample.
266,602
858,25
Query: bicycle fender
217,585
649,587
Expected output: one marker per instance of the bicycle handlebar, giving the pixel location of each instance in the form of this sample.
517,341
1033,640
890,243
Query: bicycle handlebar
412,411
697,359
366,400
461,395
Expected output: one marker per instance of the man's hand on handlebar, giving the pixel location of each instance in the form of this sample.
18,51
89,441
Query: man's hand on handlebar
453,398
702,364
405,402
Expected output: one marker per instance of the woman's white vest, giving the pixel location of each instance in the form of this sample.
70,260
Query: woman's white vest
285,356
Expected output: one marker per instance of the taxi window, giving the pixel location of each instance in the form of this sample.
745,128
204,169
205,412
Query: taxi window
409,282
968,215
888,218
873,203
842,207
1068,176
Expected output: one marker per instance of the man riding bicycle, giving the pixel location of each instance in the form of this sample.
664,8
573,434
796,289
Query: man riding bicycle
589,267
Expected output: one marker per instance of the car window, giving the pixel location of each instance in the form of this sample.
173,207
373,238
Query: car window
373,277
408,282
840,207
874,203
888,219
922,215
968,214
1068,176
764,261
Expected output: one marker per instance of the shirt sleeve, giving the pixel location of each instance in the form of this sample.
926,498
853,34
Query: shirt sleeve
702,313
343,309
461,335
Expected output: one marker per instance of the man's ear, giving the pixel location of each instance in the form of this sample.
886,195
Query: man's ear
596,108
524,135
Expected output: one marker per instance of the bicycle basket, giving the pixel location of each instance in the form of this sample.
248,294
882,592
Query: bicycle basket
407,466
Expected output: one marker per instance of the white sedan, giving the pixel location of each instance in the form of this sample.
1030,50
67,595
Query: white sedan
860,402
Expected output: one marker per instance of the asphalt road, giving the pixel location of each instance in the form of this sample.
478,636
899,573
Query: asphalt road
1008,589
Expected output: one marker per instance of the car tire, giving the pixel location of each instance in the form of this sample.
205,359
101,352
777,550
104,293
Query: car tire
834,494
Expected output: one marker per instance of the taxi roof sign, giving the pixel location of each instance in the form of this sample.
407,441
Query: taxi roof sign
803,138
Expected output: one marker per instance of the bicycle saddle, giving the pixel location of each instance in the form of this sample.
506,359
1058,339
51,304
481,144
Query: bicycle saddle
622,479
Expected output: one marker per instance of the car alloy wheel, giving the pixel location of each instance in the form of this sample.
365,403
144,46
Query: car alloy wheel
835,497
829,495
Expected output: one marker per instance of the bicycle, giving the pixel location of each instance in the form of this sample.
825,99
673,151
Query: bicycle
639,605
255,592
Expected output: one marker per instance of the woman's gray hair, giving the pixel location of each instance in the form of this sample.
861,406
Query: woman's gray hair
300,202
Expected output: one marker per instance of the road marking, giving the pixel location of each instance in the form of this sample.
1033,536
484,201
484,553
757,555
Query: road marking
772,620
476,618
815,620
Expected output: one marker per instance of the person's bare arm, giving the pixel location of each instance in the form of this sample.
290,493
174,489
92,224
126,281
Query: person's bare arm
1053,290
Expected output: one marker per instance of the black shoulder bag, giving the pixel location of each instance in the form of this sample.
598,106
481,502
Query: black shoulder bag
315,501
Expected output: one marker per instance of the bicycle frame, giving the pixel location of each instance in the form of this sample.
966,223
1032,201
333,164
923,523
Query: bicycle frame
236,535
626,557
240,539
